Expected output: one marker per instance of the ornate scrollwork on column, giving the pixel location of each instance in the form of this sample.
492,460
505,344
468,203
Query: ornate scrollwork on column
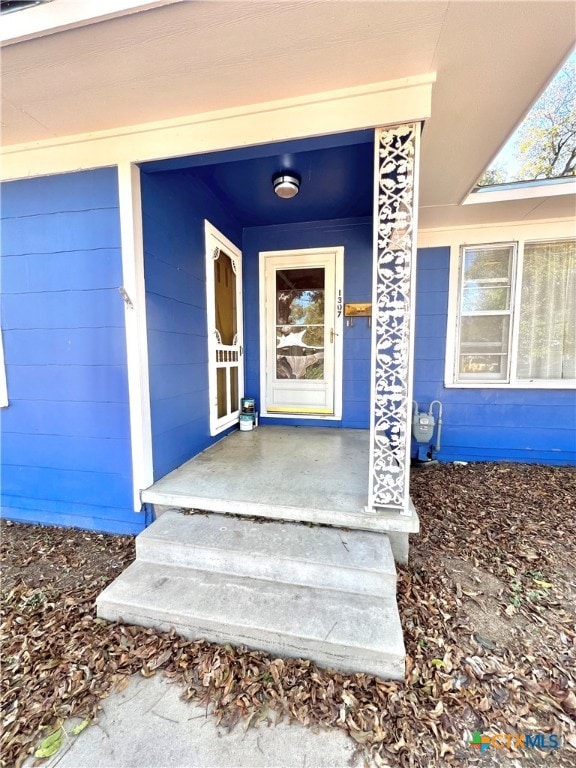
391,314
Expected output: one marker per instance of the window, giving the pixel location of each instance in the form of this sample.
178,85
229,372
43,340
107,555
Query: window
516,322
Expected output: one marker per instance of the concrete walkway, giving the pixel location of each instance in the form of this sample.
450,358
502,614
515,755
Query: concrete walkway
148,725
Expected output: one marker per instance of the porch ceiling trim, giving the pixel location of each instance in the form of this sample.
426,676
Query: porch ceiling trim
379,104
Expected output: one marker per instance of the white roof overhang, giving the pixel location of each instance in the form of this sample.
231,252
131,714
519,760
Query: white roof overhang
144,80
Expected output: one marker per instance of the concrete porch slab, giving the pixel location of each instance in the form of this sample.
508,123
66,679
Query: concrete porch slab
310,474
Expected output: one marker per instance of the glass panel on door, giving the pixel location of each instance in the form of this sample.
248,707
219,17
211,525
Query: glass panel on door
225,299
300,323
226,320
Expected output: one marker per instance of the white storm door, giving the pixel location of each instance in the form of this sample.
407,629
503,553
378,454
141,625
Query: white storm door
225,330
302,332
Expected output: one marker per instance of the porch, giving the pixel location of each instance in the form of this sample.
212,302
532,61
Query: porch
307,474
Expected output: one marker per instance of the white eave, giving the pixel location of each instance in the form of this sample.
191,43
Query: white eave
86,84
522,190
398,101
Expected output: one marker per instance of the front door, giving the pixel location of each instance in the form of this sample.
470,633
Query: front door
303,308
225,342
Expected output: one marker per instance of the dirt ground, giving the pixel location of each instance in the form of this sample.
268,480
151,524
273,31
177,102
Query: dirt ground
487,604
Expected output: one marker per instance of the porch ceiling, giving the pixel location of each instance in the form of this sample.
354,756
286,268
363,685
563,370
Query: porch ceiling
491,58
336,182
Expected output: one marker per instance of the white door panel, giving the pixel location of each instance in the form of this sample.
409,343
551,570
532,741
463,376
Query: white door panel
302,333
225,332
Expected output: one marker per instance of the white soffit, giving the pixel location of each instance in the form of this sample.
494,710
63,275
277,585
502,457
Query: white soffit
493,60
193,58
186,60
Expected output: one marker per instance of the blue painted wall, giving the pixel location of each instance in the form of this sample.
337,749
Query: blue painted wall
479,424
175,205
528,425
65,437
356,237
64,445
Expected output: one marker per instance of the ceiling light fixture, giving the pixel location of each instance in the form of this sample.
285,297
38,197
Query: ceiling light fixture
286,185
9,6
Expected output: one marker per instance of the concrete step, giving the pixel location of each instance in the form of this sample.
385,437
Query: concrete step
340,630
320,557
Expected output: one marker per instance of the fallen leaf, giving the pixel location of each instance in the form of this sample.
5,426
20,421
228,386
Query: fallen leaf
50,745
80,727
543,584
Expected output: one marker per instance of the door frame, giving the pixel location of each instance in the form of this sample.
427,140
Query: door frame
215,239
337,252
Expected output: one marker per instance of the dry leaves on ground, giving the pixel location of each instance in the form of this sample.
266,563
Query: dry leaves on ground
487,607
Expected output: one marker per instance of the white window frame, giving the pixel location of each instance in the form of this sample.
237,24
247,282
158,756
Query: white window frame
513,247
453,327
3,384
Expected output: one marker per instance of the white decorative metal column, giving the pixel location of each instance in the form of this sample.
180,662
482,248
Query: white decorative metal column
395,227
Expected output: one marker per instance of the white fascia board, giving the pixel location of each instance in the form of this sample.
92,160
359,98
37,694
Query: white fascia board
379,104
61,15
522,193
3,385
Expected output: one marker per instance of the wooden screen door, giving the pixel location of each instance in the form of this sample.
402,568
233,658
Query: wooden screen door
225,333
302,332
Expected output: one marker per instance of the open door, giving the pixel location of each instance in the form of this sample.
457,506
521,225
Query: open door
303,307
225,332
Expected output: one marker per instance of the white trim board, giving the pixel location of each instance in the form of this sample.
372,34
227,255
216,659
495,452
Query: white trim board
136,334
408,507
3,384
521,193
494,233
329,112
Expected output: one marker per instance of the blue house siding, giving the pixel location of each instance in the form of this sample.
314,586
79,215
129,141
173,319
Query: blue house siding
528,425
65,441
175,206
65,437
355,235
